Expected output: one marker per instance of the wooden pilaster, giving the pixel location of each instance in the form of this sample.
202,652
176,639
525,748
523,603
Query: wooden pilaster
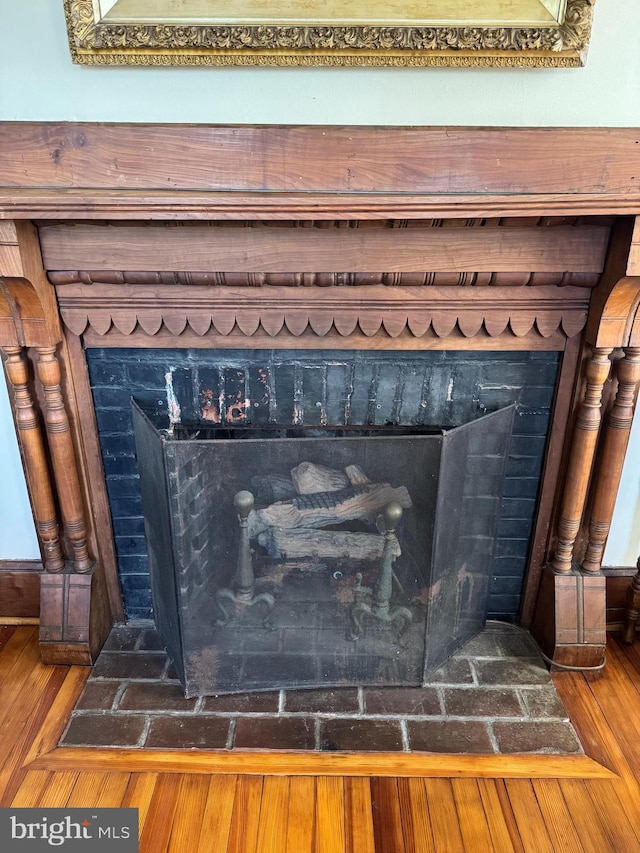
74,614
17,370
616,439
570,619
581,459
63,459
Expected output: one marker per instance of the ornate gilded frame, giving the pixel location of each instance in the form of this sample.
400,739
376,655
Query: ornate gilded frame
94,41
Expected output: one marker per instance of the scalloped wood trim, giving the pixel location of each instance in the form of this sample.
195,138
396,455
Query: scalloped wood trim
366,310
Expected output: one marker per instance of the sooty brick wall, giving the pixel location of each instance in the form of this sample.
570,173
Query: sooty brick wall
428,388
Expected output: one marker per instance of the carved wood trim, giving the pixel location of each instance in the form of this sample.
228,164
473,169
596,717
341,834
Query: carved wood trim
22,320
326,279
21,260
158,205
619,315
366,310
332,340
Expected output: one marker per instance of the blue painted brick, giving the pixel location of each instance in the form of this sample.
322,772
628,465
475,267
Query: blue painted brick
123,487
122,466
509,566
183,384
137,595
496,398
531,423
528,445
114,420
518,507
144,375
106,370
506,586
544,355
117,444
520,373
525,466
313,379
131,546
537,397
500,606
128,526
512,548
514,528
125,507
133,565
138,614
524,487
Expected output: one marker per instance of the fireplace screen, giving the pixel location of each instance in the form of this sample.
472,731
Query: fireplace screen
303,557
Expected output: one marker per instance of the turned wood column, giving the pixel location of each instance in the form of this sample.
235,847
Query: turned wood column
17,370
616,439
63,457
583,449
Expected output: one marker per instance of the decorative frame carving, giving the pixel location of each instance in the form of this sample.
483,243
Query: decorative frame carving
352,312
96,40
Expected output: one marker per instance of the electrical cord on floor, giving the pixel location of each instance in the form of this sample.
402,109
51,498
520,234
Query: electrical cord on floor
561,666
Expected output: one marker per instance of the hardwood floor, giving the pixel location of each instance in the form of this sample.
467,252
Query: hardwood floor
504,805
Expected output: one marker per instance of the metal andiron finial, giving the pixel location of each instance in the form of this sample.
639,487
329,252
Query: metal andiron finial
380,596
242,593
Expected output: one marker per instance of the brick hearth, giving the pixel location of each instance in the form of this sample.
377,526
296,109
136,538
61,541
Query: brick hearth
494,696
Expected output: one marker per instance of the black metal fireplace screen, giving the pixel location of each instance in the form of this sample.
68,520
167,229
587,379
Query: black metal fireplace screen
299,557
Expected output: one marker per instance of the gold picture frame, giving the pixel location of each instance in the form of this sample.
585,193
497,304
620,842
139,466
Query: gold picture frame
467,33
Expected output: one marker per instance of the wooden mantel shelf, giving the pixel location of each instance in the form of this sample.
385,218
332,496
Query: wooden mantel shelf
132,171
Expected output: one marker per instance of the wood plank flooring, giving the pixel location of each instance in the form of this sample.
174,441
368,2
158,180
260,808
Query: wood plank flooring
503,808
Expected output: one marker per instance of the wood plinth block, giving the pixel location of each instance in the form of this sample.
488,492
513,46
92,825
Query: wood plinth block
70,633
570,619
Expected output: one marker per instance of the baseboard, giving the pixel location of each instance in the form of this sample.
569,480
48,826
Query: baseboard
618,579
20,591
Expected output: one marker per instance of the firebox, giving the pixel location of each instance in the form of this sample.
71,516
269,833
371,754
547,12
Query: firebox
297,557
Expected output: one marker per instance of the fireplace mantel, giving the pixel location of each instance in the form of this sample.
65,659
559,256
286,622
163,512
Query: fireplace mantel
320,238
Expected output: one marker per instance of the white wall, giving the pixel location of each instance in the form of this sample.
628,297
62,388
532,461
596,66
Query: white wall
17,534
623,545
39,82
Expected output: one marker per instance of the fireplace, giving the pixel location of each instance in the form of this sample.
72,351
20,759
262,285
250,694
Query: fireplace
314,389
439,389
402,298
299,557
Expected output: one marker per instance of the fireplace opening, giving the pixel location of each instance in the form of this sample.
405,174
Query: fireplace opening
287,558
397,390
